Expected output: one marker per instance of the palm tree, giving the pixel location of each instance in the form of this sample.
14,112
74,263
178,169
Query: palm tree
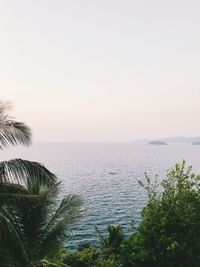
39,221
12,132
113,241
33,224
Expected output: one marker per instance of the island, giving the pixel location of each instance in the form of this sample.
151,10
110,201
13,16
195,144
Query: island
196,143
159,143
172,140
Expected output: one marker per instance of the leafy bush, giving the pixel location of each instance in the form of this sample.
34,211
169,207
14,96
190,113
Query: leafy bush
169,233
86,257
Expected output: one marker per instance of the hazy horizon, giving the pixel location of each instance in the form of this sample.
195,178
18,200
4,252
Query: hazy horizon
102,71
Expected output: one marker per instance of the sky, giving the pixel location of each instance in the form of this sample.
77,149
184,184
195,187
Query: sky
102,71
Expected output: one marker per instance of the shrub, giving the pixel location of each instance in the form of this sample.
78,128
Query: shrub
169,233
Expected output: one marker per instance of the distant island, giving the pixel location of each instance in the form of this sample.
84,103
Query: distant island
158,143
181,139
196,143
171,140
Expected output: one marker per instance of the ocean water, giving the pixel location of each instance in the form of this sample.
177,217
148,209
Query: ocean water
106,177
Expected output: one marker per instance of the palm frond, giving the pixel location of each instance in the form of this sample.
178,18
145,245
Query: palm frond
24,172
12,194
4,107
55,232
10,240
99,236
116,233
54,263
13,132
114,238
71,204
55,238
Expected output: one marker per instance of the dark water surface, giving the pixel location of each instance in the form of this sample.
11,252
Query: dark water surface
106,175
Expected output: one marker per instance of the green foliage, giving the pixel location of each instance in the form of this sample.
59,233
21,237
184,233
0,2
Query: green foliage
169,234
12,132
19,171
109,262
39,224
33,224
113,241
89,257
84,258
53,263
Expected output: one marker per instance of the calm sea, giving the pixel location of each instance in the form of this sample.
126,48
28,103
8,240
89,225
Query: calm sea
106,177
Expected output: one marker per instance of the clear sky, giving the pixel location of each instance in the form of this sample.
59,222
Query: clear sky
109,70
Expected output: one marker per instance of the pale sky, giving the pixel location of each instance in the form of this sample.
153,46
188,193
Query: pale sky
106,70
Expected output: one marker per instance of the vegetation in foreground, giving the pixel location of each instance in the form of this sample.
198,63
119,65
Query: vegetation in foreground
34,224
168,235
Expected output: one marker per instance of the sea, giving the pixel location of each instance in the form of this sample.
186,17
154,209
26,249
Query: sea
105,176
